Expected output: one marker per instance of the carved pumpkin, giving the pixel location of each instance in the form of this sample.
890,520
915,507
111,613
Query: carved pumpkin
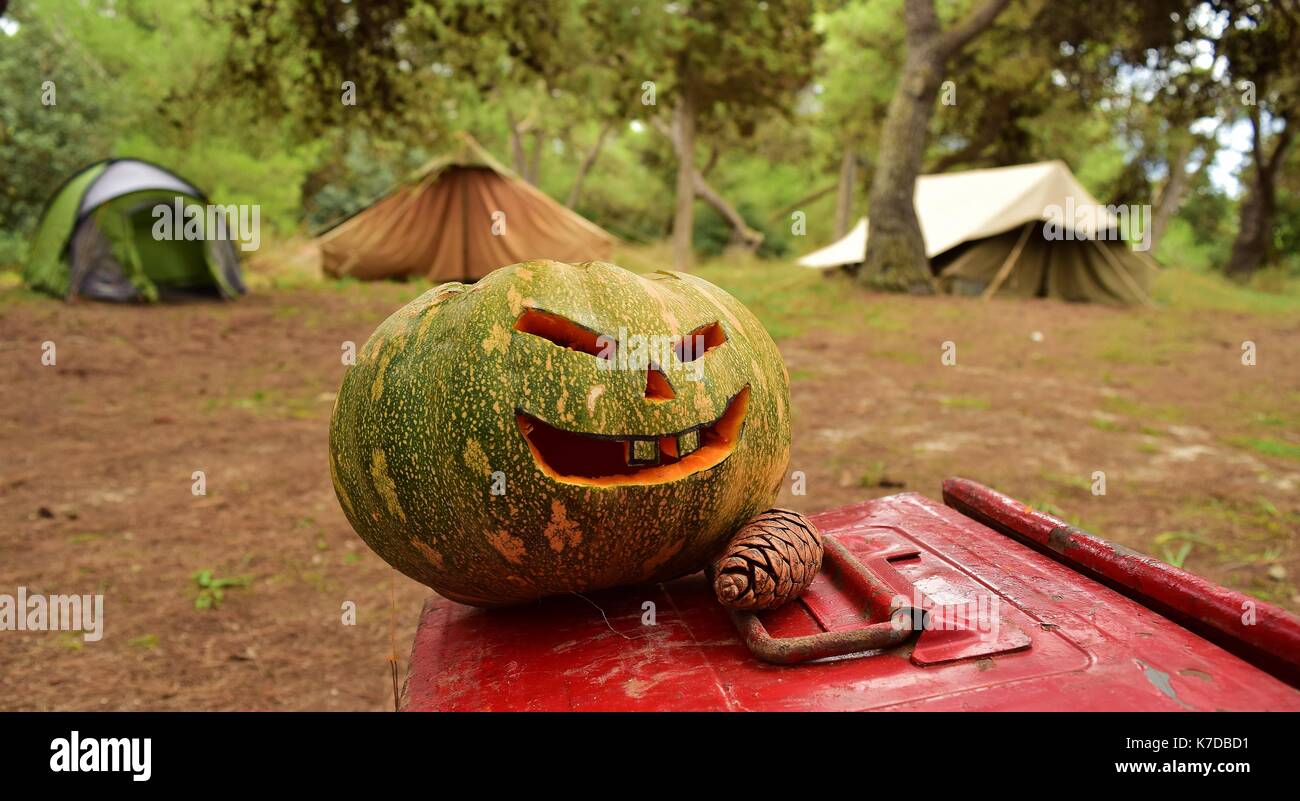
557,428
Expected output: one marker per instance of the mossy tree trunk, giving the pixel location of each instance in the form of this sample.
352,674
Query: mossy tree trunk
1253,247
895,248
896,257
848,184
684,144
1171,196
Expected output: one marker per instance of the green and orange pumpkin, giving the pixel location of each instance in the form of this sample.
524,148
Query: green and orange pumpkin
523,436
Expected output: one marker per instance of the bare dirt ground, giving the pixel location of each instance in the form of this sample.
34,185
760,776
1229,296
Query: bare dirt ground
98,453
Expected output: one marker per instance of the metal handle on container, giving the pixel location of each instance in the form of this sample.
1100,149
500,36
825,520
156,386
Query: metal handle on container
900,624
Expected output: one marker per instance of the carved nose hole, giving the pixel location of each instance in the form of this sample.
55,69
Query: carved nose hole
657,387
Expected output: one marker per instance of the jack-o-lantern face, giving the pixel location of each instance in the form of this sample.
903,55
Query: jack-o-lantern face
607,459
560,428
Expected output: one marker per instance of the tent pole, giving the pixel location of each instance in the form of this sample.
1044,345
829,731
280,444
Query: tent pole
1123,273
1012,258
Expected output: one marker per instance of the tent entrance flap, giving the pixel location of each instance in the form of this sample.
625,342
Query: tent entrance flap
178,264
1010,262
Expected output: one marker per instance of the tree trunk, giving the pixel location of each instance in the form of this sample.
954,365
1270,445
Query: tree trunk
848,183
896,257
1171,196
535,160
1253,247
517,146
684,143
741,232
588,162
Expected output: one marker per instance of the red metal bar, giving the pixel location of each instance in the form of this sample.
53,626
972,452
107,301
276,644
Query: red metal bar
1259,632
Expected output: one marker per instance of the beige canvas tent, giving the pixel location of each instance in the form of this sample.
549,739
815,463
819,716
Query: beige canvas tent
1030,231
458,218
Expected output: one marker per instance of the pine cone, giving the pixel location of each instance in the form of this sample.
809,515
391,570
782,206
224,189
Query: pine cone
770,561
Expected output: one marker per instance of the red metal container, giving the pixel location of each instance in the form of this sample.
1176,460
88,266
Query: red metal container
1014,610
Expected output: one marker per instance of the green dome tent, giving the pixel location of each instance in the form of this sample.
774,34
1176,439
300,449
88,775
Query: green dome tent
96,239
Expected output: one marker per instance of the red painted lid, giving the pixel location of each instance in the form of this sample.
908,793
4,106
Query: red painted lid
1010,628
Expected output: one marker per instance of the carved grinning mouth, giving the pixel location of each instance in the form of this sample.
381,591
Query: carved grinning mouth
604,461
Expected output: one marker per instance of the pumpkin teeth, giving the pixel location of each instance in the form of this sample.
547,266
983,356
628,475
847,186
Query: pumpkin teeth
643,452
688,442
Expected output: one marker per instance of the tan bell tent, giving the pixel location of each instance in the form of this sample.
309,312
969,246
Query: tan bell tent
1026,231
458,218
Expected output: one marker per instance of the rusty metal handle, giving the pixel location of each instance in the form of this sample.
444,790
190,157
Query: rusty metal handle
901,623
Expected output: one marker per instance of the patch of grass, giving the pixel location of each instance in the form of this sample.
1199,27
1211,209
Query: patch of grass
900,356
1255,523
211,589
145,641
1268,420
1192,291
1143,338
1108,378
1169,537
1141,410
271,402
1081,483
1126,352
872,476
790,300
15,295
255,401
314,579
958,402
1176,557
1268,507
1047,507
1268,447
1105,424
1264,409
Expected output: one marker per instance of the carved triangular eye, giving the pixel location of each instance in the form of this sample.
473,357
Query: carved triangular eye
564,332
700,341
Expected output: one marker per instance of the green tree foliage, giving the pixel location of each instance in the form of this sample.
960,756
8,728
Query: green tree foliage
40,145
313,109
